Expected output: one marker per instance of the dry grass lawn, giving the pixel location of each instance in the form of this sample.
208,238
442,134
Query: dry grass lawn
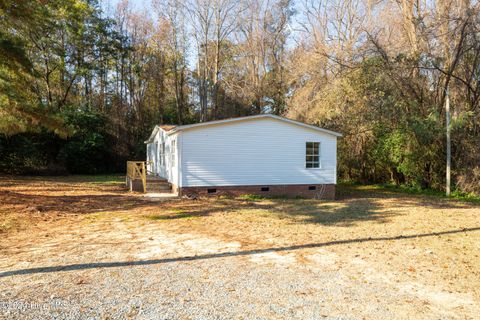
426,246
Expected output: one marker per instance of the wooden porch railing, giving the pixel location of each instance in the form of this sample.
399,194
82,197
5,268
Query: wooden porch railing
136,170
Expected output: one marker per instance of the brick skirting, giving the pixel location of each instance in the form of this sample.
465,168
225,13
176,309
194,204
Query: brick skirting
318,191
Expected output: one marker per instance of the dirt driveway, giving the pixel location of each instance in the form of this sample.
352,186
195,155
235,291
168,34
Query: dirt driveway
81,249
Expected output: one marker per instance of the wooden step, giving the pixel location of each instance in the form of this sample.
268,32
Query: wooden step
158,184
156,179
159,187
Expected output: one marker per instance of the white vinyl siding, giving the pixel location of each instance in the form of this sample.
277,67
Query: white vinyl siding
263,151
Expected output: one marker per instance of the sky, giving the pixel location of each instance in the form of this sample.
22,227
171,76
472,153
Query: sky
109,5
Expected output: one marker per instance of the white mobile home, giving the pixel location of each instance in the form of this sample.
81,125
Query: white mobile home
262,154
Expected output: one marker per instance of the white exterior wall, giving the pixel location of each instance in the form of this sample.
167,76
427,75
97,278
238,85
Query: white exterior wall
254,152
164,169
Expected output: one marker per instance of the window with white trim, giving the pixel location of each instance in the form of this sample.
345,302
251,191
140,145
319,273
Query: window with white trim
172,152
312,153
162,154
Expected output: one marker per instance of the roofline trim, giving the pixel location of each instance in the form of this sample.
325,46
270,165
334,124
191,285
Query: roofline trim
209,123
154,132
152,135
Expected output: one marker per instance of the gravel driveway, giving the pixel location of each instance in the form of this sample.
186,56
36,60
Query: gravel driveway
140,271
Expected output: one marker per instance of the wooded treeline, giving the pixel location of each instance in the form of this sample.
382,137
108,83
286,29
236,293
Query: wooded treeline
80,89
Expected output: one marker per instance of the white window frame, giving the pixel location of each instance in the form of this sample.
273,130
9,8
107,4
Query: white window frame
161,153
312,163
172,152
155,157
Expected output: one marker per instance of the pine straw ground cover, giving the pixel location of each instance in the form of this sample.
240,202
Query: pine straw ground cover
427,246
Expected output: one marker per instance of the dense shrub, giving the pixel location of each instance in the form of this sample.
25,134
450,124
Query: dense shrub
90,148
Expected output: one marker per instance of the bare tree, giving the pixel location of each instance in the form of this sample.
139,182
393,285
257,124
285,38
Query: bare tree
201,13
172,16
225,18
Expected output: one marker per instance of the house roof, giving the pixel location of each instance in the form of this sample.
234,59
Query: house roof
170,129
167,127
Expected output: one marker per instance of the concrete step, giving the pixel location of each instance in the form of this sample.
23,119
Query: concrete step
161,196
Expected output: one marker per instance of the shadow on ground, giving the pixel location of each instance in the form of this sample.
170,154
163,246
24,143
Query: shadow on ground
352,205
73,204
84,266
